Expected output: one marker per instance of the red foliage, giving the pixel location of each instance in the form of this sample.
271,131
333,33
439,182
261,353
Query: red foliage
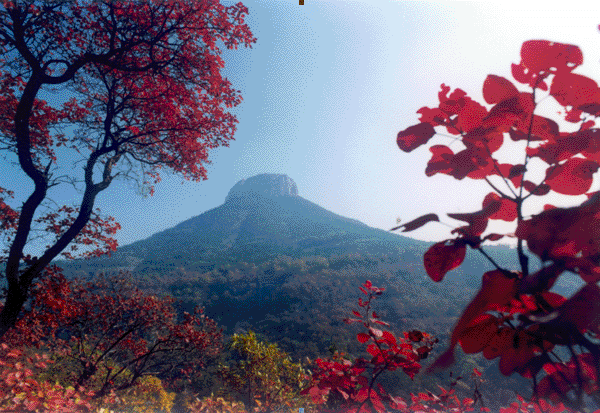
145,86
140,333
339,385
340,381
21,392
124,325
568,237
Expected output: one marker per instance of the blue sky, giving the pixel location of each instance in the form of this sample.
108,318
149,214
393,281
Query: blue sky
326,89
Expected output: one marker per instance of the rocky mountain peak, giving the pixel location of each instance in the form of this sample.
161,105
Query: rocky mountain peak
264,185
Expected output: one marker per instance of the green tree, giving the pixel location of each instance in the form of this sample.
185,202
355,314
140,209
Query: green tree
263,375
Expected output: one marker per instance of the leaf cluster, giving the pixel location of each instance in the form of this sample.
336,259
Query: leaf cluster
514,316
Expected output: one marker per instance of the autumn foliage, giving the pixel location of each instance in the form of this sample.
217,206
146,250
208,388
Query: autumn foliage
145,91
140,88
341,385
111,339
514,317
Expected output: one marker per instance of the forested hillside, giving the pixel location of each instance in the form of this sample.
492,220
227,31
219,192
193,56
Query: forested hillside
299,304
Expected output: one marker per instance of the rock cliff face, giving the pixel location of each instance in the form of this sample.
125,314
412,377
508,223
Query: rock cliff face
264,185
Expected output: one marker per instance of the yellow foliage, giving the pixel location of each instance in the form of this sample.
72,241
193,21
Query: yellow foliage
264,377
149,396
217,405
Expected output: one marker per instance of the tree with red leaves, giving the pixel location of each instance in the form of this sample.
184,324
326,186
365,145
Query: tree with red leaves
515,316
145,89
341,385
108,336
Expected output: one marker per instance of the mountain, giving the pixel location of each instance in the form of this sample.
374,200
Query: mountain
270,260
262,217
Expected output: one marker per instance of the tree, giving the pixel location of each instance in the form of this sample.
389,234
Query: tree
146,91
341,383
514,316
109,337
262,375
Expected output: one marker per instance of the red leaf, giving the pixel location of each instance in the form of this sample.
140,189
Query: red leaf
539,190
544,230
373,350
476,337
507,210
433,116
592,140
547,56
482,139
496,89
516,171
383,323
468,162
570,89
542,280
591,108
554,299
417,223
415,335
586,142
518,135
587,125
496,289
356,313
440,160
504,114
470,115
541,129
583,309
477,221
499,344
376,400
574,177
389,338
586,267
517,354
414,136
519,72
441,258
362,337
362,395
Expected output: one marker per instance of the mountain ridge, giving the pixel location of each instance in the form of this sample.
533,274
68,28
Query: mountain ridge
277,225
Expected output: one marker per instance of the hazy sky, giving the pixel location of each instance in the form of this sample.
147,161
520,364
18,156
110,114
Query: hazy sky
326,89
